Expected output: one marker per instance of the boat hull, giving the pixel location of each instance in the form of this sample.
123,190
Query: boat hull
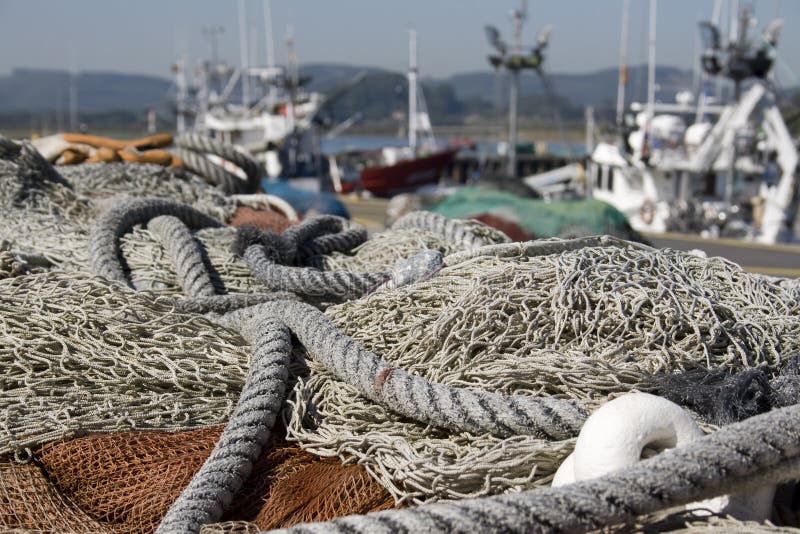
384,181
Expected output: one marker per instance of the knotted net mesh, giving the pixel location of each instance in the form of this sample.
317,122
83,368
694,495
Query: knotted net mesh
85,357
584,324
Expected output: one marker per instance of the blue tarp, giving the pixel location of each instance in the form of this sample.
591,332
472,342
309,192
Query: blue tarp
303,200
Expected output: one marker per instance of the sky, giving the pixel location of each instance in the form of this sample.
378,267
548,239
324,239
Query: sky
146,36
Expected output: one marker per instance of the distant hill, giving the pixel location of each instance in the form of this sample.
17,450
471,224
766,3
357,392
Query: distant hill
37,90
598,88
27,92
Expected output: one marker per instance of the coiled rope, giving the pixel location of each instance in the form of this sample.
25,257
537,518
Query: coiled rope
266,327
737,458
34,168
457,232
223,473
104,238
193,150
454,409
271,257
187,257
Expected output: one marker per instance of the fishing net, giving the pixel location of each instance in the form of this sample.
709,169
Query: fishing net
79,356
30,502
125,482
151,265
540,218
53,218
583,324
266,220
383,249
107,182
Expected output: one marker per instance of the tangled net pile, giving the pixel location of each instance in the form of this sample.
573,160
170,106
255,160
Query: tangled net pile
114,392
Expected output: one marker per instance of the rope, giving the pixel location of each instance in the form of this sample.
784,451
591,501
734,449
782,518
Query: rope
454,409
186,254
104,238
460,233
267,254
35,170
193,148
760,451
223,473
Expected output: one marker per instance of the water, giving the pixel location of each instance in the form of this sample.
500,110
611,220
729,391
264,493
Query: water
346,143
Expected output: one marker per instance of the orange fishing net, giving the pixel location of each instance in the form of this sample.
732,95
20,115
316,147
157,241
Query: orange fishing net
266,220
124,483
28,500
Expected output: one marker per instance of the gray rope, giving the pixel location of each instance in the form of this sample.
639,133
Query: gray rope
187,257
763,450
212,489
453,231
105,234
334,285
192,149
325,234
31,163
271,257
458,410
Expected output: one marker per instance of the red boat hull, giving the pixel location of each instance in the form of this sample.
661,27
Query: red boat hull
405,175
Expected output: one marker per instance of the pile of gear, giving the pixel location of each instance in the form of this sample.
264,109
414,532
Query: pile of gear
165,371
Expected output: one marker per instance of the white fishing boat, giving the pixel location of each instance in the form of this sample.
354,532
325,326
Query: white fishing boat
717,170
276,117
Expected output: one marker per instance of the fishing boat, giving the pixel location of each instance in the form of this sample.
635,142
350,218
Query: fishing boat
730,173
391,170
277,119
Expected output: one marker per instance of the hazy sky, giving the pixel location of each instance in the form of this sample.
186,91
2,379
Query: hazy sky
145,36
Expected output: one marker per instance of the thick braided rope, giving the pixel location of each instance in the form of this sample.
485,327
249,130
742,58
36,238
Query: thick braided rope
24,155
763,450
453,231
187,258
271,255
105,234
192,150
199,164
213,488
309,282
323,235
458,410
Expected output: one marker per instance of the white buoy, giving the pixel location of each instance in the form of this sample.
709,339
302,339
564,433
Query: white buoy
620,432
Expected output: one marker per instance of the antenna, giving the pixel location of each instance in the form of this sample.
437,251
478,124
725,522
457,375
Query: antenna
515,63
243,51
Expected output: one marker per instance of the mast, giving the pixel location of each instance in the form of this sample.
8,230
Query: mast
180,83
270,44
651,69
243,54
623,63
412,89
519,18
73,93
73,101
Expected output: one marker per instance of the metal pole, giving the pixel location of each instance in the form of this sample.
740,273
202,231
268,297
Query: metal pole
244,80
512,124
651,70
623,63
270,45
412,89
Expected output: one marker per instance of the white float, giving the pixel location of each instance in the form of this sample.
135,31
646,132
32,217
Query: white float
620,432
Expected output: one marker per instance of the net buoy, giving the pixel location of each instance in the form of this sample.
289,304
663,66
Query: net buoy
635,426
